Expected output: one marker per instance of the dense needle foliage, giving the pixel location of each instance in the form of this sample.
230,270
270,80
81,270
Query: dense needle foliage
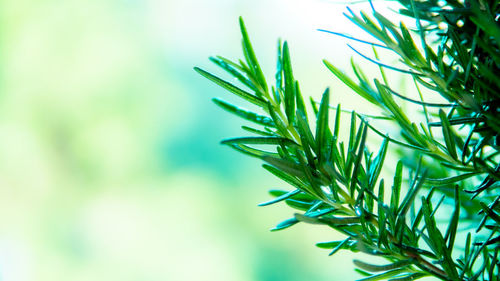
439,214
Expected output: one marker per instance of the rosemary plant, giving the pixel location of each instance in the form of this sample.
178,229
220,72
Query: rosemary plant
439,214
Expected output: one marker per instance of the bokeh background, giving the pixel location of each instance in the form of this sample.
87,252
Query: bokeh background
110,163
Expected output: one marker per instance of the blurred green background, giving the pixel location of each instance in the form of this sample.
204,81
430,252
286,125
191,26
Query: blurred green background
110,163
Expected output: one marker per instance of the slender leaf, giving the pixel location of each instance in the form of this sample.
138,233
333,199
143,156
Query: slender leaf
280,198
322,130
250,56
448,135
396,187
449,180
233,89
451,232
437,241
245,114
350,83
289,84
260,140
285,224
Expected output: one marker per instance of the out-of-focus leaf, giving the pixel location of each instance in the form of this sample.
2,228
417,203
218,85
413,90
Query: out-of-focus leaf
335,245
285,224
299,205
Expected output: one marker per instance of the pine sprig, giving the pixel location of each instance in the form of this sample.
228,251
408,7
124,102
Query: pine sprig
452,187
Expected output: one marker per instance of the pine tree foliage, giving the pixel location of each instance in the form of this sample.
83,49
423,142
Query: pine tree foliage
439,214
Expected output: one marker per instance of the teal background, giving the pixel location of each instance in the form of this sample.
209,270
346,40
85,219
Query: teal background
110,167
